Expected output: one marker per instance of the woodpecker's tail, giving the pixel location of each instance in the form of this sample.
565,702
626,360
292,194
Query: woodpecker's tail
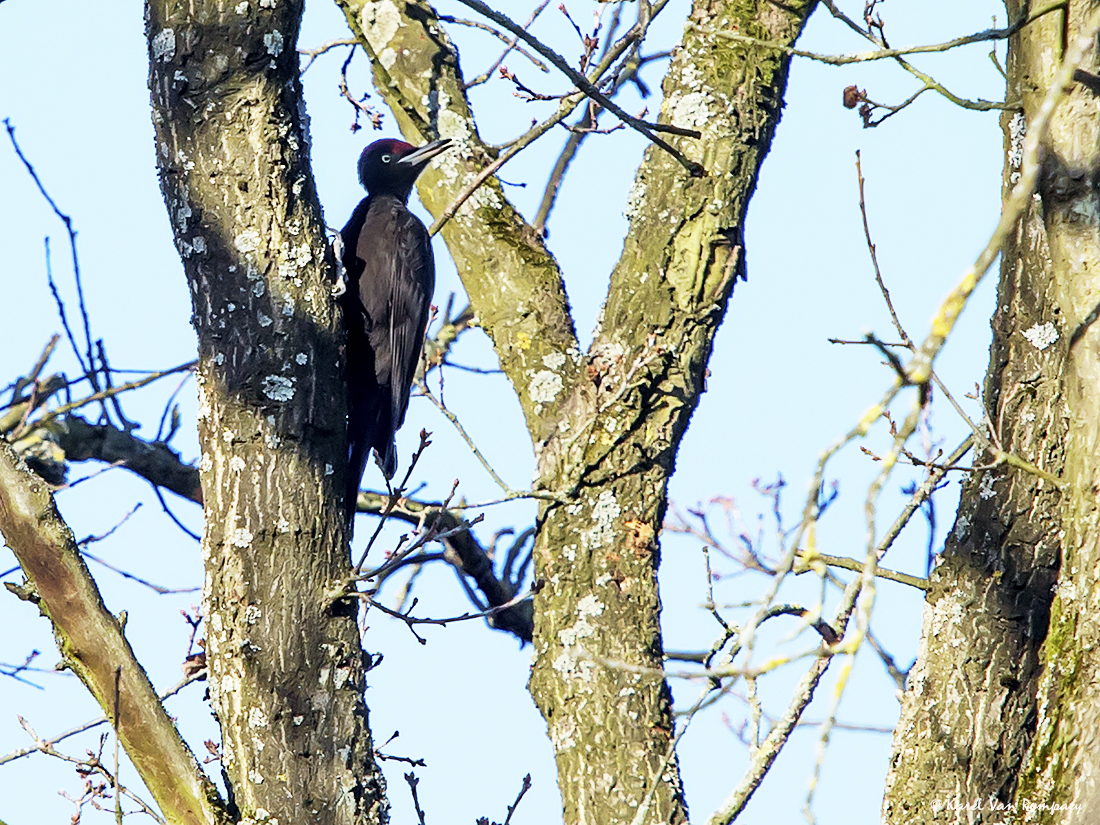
358,451
387,458
368,429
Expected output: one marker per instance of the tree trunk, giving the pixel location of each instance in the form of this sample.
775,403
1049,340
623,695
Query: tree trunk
997,718
286,665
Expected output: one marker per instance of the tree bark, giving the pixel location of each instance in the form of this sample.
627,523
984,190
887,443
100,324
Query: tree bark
605,425
287,670
997,718
93,646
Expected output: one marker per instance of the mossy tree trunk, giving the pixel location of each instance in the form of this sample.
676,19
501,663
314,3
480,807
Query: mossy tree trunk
999,718
286,665
605,424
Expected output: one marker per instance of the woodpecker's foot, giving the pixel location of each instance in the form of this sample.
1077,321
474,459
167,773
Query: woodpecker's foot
341,285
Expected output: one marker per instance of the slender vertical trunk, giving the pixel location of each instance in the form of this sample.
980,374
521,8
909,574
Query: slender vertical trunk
286,667
997,716
616,431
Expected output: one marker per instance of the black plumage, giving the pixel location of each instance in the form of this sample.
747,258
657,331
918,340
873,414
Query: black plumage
387,256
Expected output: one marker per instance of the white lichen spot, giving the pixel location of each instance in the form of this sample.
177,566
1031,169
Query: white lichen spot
183,212
1066,591
262,815
610,352
258,288
380,22
604,512
985,489
689,111
341,677
293,259
587,608
569,552
563,733
219,358
273,42
282,525
1027,417
267,4
328,470
603,579
206,464
198,243
571,666
635,198
247,241
164,45
544,387
231,307
1041,336
297,720
302,358
555,360
242,8
946,614
255,777
387,57
264,320
252,614
242,537
279,387
1017,130
454,126
236,464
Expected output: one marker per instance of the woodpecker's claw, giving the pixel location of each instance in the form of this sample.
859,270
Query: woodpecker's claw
341,285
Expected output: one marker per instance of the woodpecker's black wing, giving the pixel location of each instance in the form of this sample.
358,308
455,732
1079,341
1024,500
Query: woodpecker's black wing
391,278
396,288
363,395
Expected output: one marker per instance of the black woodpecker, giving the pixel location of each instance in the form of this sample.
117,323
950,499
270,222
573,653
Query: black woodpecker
387,258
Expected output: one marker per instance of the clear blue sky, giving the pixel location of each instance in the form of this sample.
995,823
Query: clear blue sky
73,82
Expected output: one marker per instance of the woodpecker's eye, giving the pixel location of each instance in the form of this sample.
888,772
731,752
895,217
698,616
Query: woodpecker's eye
387,158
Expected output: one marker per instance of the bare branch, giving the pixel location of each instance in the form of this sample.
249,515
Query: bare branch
582,83
93,645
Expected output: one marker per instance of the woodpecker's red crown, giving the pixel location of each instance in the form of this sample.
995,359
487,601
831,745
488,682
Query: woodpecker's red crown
391,166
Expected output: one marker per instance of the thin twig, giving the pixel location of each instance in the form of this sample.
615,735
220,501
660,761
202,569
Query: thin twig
565,108
49,743
581,82
512,43
450,416
313,54
105,394
883,54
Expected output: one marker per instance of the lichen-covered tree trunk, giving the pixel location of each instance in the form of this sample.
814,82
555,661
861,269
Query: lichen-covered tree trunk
605,424
286,666
615,443
998,719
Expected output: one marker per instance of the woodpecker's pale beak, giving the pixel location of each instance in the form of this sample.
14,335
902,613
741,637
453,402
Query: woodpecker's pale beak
418,157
